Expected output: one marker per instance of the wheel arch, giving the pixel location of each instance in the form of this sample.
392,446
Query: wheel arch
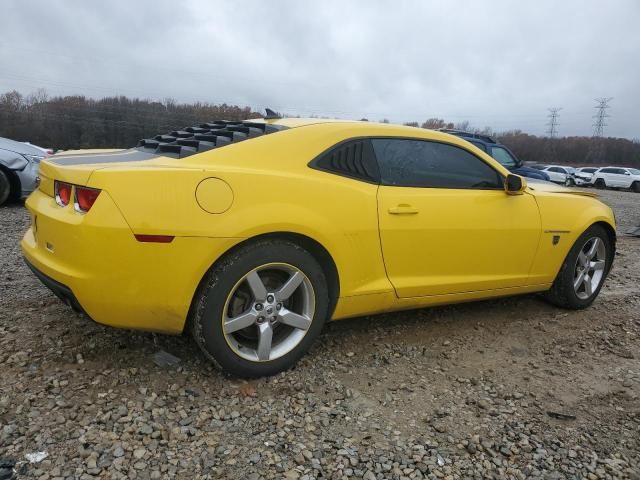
14,181
315,248
611,233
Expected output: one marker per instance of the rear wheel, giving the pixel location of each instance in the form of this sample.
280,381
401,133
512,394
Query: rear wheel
584,270
569,182
600,183
260,308
5,188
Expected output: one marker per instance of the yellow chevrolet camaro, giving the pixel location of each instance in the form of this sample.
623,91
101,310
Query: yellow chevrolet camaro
253,234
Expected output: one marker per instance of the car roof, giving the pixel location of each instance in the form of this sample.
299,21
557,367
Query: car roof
18,147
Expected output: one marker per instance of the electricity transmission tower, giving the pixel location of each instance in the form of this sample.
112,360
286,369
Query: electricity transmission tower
552,133
554,113
597,149
599,124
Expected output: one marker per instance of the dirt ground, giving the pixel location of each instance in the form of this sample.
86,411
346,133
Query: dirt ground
508,388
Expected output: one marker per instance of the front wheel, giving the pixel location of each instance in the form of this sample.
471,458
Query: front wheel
636,187
260,308
584,270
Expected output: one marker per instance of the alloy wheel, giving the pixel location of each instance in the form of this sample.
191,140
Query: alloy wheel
268,312
589,268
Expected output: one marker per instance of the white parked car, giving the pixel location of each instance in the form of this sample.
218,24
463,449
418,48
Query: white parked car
584,175
617,177
47,151
558,174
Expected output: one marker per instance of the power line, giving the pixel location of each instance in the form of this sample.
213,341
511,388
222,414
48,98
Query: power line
600,116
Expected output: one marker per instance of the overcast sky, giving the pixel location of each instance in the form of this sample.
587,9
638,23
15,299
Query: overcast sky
494,63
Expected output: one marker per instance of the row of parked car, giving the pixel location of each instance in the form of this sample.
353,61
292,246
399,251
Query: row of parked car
605,177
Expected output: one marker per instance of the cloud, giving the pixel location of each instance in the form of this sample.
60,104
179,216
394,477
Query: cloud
499,64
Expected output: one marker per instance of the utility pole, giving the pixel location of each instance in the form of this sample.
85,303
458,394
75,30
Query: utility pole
550,153
596,152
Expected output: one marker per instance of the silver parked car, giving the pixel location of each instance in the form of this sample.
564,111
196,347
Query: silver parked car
18,169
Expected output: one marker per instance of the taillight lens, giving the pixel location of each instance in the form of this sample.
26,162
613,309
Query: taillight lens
63,193
85,198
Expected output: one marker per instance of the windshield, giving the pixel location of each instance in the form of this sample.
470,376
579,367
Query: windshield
503,156
634,171
570,169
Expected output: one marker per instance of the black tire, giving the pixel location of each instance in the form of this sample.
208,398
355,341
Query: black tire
5,188
221,280
600,183
635,186
562,292
570,182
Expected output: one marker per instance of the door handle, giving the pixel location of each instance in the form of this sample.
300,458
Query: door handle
403,209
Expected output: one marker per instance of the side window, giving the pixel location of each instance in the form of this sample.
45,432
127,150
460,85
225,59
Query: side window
619,171
606,170
354,159
420,163
503,156
556,169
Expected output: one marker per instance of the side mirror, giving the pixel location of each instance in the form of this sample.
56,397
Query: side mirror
514,184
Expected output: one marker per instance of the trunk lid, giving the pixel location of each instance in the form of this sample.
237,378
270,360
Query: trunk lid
76,166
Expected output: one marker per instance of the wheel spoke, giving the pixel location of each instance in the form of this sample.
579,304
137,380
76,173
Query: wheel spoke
579,279
587,285
257,287
288,288
241,321
594,248
264,342
294,320
598,265
582,258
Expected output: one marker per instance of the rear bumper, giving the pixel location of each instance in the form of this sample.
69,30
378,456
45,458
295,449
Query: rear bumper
93,262
61,291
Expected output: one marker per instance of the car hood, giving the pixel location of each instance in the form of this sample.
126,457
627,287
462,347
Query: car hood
549,187
530,172
19,147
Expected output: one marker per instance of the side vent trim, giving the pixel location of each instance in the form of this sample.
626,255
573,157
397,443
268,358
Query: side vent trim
353,158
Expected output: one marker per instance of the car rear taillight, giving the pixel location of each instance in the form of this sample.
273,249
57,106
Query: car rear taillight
85,198
62,192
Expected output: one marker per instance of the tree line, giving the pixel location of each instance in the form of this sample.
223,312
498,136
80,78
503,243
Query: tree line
76,121
73,122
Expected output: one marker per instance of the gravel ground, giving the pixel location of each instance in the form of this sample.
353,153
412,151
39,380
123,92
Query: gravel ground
508,388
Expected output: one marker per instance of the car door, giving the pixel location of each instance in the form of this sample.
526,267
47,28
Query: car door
557,174
446,223
623,178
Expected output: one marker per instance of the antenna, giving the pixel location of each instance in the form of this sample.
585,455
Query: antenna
271,114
